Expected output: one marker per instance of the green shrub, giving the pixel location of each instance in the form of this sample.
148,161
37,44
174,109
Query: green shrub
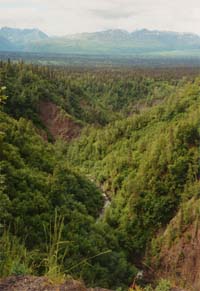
164,285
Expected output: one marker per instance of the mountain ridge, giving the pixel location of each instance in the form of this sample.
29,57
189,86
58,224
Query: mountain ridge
108,42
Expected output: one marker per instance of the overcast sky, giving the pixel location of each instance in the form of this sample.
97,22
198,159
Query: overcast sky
60,17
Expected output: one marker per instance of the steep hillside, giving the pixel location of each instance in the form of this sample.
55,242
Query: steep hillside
134,134
175,253
46,204
92,97
146,163
43,198
57,122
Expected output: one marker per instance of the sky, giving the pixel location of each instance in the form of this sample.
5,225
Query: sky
61,17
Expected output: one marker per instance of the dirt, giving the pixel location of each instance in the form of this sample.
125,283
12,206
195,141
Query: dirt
181,261
58,123
31,283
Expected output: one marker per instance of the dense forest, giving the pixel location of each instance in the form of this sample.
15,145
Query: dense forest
137,143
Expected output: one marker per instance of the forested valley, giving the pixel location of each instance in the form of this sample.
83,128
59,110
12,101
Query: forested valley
71,139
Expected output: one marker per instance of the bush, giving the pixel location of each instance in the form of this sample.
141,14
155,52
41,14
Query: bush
164,285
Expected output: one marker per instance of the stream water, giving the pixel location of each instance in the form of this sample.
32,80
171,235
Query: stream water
107,203
106,198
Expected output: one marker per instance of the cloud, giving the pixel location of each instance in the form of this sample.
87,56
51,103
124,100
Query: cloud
111,14
23,17
70,16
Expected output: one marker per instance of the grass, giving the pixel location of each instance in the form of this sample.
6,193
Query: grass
55,250
14,257
16,260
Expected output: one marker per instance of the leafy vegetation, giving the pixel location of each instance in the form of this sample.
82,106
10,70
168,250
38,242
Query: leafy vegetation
93,97
139,144
146,162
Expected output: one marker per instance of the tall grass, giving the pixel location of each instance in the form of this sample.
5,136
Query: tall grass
14,257
55,249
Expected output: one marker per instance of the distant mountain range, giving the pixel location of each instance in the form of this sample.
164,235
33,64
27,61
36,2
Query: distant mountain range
14,39
110,42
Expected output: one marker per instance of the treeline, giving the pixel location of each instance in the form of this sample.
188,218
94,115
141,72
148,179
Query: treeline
101,62
93,97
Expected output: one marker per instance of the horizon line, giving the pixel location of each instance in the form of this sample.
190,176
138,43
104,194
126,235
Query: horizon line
99,31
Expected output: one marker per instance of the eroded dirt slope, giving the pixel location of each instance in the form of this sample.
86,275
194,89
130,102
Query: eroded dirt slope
179,255
57,122
182,260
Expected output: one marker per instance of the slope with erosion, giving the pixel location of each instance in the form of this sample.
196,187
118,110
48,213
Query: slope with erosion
37,184
58,123
175,253
86,97
146,161
40,196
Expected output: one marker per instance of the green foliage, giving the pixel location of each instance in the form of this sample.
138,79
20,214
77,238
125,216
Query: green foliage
187,215
19,269
34,182
140,145
148,288
3,98
164,285
14,257
54,246
93,97
147,162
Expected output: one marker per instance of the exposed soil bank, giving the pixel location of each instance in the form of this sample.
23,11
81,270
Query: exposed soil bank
57,122
31,283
